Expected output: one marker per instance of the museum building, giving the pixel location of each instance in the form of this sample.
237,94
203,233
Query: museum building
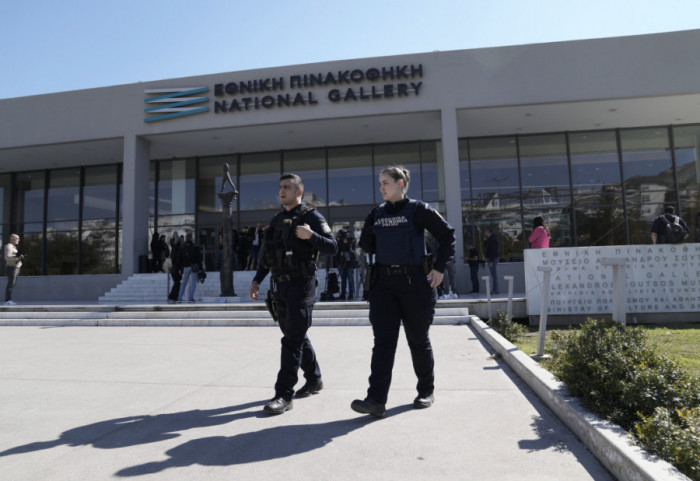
595,135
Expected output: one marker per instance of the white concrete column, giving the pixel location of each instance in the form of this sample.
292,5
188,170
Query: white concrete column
135,180
453,198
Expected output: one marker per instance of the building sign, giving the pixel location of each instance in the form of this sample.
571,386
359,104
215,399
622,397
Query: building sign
174,102
659,278
336,87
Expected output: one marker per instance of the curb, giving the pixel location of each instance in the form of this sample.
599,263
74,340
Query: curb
608,442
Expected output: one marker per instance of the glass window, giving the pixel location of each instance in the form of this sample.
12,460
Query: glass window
310,165
649,185
597,188
63,198
493,177
176,187
98,251
211,175
31,244
100,193
62,252
5,203
433,190
545,178
260,181
30,198
350,179
686,141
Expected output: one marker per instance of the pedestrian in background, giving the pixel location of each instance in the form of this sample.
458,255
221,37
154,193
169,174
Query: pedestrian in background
402,286
473,261
491,254
13,263
539,237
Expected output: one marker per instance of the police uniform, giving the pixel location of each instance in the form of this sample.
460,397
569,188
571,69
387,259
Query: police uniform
394,232
292,264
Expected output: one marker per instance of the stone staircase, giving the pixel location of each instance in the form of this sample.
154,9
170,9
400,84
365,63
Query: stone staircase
242,314
154,289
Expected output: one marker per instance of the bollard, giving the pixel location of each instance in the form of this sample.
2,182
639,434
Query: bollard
619,310
487,281
544,304
509,312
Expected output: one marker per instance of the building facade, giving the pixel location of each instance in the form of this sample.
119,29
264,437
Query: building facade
596,136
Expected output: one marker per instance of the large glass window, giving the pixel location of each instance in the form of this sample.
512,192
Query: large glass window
350,177
30,219
649,184
597,188
260,180
63,212
310,165
492,172
98,248
433,188
211,175
176,189
686,141
545,185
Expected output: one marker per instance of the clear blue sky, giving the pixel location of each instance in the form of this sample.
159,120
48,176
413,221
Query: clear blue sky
53,46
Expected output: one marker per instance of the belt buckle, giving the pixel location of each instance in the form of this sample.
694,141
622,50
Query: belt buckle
395,270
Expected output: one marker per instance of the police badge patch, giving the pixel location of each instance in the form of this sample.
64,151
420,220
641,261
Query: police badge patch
325,227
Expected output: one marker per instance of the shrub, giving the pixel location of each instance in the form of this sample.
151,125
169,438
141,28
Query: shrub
506,327
676,442
618,375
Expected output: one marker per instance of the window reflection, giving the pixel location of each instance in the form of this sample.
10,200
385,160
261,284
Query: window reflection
350,179
310,165
211,174
259,181
30,197
176,187
545,185
100,192
648,170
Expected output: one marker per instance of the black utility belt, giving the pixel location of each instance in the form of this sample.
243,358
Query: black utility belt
286,277
397,270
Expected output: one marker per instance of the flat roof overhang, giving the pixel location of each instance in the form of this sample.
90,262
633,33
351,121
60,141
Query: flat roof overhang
398,127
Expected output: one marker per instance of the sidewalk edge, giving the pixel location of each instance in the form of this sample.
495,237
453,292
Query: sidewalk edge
608,442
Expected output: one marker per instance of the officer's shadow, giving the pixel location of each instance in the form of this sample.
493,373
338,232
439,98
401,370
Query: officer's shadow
135,430
271,443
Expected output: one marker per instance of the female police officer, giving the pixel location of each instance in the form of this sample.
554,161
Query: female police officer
403,286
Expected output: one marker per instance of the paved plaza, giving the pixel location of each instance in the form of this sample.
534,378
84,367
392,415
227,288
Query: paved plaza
185,403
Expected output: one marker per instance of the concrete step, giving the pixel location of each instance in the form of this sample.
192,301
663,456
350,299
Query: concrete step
192,315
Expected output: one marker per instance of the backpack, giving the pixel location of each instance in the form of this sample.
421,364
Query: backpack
674,233
333,286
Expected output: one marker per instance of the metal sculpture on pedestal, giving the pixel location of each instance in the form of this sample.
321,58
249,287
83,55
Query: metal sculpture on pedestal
227,194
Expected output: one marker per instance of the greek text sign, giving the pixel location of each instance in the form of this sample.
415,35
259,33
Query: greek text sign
660,278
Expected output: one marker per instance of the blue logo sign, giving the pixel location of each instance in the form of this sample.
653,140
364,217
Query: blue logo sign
171,103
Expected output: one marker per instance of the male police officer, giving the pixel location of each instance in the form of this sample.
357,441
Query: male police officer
290,247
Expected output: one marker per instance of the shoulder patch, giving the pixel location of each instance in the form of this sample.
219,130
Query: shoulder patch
325,228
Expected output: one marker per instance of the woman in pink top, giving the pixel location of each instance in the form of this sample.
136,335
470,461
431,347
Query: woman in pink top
539,238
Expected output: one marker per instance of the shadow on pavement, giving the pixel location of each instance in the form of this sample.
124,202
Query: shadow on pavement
272,443
135,430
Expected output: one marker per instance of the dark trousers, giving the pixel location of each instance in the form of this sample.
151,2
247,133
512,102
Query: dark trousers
347,280
298,296
474,272
392,300
175,291
12,273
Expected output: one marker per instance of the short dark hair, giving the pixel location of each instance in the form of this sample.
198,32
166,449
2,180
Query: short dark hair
669,209
295,178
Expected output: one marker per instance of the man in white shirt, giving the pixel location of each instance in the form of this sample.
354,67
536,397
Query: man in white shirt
13,262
